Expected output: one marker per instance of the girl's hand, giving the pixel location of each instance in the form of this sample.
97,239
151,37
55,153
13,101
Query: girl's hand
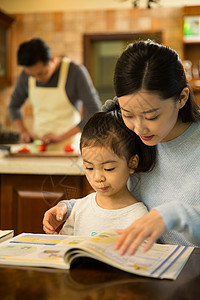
151,227
54,217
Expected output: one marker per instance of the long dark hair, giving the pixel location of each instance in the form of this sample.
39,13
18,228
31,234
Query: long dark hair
154,67
107,129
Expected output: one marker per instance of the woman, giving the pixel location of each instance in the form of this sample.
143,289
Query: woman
157,104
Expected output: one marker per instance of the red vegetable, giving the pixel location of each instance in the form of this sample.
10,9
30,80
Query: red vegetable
69,148
41,147
24,150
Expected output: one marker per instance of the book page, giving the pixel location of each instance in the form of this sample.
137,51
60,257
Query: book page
58,251
40,250
161,261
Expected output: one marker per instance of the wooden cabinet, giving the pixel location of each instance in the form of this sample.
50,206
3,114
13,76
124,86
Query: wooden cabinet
25,198
5,48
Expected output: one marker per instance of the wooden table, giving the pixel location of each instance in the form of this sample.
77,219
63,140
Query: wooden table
96,281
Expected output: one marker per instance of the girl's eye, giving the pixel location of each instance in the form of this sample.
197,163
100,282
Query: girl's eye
110,169
87,168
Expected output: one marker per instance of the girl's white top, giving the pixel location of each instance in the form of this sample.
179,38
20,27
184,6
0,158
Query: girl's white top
88,218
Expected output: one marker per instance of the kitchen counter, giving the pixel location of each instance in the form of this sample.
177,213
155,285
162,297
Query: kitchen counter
29,186
41,165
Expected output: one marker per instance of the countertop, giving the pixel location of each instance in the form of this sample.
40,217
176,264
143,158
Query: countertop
41,165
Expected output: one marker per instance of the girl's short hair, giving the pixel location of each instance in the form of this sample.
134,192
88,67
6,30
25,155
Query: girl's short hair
157,68
107,129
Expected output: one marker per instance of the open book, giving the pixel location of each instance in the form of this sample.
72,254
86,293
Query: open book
60,251
6,234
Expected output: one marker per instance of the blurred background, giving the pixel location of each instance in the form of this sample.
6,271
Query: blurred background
94,33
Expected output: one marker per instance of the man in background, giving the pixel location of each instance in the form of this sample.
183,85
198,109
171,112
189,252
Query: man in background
61,92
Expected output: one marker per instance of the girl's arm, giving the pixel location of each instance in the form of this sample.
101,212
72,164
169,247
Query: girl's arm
69,204
57,215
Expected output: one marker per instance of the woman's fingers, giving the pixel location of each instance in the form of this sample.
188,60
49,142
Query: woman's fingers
149,237
137,242
149,243
126,238
149,227
132,239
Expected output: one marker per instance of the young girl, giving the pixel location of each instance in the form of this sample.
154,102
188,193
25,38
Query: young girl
110,153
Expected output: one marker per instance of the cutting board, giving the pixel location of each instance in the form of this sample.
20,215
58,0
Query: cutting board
13,151
45,154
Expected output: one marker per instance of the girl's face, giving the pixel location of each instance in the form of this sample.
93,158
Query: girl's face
154,120
105,171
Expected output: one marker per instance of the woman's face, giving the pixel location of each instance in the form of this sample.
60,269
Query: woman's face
154,120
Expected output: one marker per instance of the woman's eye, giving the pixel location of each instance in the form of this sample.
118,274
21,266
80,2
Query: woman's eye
153,118
127,117
88,168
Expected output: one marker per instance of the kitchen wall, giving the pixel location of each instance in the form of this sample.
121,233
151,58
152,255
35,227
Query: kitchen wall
24,6
64,30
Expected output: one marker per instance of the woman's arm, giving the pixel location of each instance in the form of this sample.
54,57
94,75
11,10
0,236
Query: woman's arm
182,217
176,216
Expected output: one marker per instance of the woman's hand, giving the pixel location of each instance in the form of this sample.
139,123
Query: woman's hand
54,217
151,227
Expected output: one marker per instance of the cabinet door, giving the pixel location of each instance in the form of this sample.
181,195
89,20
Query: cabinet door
5,48
29,208
25,198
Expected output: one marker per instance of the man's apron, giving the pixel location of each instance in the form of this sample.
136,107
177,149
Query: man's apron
52,110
